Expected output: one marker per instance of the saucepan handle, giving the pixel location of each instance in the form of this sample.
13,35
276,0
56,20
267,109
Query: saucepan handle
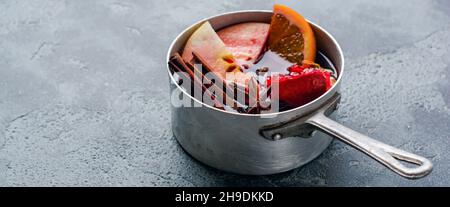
385,154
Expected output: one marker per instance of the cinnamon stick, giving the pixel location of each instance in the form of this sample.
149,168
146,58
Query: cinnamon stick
176,68
180,65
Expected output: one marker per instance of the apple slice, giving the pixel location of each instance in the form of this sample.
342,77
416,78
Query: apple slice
215,57
207,44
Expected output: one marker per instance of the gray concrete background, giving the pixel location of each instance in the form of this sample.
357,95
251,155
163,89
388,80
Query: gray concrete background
84,92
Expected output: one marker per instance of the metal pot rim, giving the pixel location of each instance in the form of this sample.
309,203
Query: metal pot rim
332,90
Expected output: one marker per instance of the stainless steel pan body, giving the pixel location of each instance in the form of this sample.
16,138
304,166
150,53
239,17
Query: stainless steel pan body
274,143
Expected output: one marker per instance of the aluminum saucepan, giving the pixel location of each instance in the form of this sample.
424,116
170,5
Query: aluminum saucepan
257,145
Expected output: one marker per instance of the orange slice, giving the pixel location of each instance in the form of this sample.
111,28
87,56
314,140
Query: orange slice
291,36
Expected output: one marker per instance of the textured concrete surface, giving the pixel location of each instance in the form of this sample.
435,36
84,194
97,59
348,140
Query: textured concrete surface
84,93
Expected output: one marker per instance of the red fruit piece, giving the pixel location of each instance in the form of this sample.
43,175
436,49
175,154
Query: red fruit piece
298,90
246,41
296,69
